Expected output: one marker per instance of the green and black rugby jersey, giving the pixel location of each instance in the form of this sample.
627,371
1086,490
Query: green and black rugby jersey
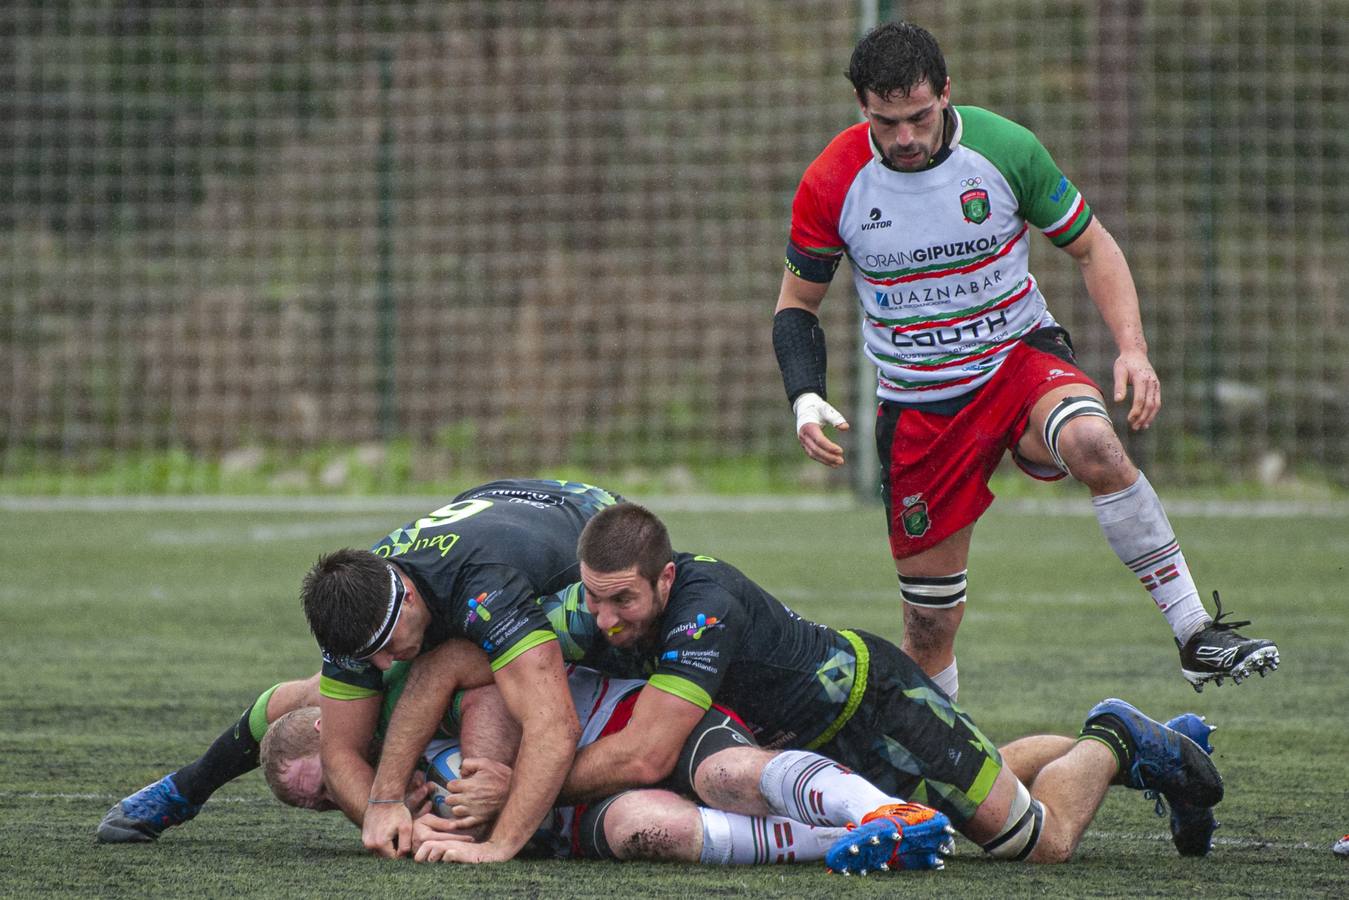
723,637
480,562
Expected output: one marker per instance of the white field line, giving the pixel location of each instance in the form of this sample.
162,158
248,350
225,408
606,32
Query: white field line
410,505
1124,837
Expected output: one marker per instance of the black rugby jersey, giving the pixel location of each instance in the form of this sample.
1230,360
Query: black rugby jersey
480,562
724,637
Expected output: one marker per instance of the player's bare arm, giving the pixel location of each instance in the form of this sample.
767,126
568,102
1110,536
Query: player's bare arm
1111,286
349,726
812,411
534,688
431,683
641,754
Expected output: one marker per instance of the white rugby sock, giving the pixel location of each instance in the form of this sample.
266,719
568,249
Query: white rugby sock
1136,527
736,840
818,791
948,679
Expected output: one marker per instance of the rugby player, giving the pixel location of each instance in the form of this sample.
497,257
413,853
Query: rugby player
932,204
715,758
472,568
656,825
703,631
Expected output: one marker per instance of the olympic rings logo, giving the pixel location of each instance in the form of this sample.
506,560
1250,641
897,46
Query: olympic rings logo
971,182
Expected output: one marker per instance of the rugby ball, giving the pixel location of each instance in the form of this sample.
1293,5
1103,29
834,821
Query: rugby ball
443,766
1341,847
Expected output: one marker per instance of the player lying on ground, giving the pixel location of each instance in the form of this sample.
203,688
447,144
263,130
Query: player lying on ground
933,204
472,568
706,631
717,758
714,765
656,825
437,675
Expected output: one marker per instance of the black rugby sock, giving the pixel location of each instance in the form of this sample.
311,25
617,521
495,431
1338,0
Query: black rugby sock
232,754
1109,730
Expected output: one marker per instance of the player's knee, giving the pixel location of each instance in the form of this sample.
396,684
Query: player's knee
1094,455
648,825
1080,437
728,777
1022,832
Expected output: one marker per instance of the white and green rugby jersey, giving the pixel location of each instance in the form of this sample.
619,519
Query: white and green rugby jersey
939,257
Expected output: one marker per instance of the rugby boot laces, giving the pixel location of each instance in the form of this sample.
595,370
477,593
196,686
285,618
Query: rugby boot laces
1164,760
1217,651
895,836
1192,826
144,815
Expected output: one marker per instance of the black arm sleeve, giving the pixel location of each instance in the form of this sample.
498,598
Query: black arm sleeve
798,341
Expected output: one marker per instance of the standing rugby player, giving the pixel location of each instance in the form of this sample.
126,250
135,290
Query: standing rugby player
933,204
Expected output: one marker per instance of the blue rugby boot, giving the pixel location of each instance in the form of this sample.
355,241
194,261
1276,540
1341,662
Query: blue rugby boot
1155,757
1192,827
897,836
144,815
1195,727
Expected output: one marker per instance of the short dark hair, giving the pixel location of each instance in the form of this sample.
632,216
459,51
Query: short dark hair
345,598
896,56
625,535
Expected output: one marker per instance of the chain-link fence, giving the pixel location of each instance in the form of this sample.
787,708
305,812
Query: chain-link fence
506,237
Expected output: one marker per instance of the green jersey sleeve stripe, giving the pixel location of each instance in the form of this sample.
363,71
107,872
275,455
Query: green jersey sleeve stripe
257,716
528,642
681,688
338,690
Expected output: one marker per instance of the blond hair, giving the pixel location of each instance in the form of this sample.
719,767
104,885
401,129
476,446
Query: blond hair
291,737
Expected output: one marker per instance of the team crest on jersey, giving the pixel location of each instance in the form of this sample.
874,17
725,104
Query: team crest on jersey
974,204
914,517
